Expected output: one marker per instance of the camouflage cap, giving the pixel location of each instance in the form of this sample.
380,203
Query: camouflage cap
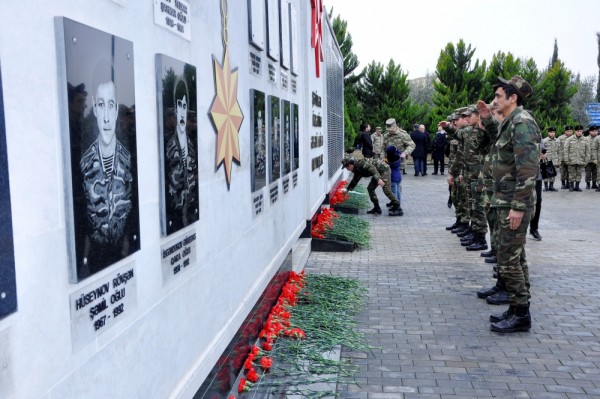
347,161
521,86
460,111
390,122
471,109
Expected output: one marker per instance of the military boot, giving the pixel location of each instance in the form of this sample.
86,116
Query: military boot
594,184
545,186
375,211
519,321
461,227
576,187
491,259
500,298
563,184
465,232
467,240
587,185
487,254
479,244
571,186
454,225
551,188
488,292
396,210
494,318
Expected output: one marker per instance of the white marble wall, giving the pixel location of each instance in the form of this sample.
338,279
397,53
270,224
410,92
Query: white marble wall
170,341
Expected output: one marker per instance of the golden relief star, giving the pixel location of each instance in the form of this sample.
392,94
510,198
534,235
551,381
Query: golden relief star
226,115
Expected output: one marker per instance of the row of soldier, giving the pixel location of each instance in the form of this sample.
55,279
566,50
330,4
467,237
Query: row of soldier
574,154
494,177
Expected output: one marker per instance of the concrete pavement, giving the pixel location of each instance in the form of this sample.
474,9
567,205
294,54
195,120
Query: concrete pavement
431,332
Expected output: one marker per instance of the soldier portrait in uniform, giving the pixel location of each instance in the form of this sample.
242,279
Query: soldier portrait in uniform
274,138
102,148
259,140
179,143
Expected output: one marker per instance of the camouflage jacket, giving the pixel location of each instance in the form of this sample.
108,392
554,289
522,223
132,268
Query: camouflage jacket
576,150
377,139
475,144
108,197
181,180
595,149
400,139
368,167
457,165
515,157
552,149
561,147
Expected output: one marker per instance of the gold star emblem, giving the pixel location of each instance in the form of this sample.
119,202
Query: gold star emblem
226,115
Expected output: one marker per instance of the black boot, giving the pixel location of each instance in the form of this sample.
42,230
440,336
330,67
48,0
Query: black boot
545,186
551,188
460,228
563,184
576,187
488,292
520,321
479,244
470,239
587,185
571,187
465,232
375,211
594,184
491,259
396,210
501,298
536,234
487,254
494,318
454,225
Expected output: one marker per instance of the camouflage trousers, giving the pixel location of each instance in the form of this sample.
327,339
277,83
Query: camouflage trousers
459,200
387,190
591,172
492,219
575,173
512,261
564,171
476,208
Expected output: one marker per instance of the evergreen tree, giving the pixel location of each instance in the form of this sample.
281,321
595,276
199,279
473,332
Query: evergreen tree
554,55
556,91
458,84
584,95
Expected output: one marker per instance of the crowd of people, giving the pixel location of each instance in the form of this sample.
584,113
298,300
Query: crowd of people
498,167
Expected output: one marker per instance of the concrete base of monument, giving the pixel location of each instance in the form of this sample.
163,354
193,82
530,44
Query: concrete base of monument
328,245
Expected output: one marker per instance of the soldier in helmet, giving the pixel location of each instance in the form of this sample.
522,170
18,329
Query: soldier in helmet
379,172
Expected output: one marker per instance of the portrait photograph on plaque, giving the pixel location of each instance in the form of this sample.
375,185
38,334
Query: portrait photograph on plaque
287,138
258,137
274,139
178,143
295,139
102,150
8,286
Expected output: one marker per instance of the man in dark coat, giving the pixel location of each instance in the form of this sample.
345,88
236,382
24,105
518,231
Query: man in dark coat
438,150
364,140
419,154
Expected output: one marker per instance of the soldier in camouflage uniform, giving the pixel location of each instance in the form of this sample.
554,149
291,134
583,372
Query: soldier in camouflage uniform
515,153
475,143
107,183
379,172
463,215
591,173
564,169
576,154
552,145
377,139
595,153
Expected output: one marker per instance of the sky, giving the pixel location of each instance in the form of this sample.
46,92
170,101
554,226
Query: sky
413,33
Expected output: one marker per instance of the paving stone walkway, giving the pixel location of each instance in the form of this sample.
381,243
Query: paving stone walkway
431,332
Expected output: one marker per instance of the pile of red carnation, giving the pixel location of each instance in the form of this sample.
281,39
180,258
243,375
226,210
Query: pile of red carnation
277,325
324,223
340,195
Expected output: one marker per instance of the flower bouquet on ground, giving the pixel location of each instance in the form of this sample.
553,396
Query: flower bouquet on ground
313,317
342,228
349,201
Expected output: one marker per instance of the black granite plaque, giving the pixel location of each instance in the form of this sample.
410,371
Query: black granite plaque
178,143
295,138
103,220
8,286
287,138
274,138
258,139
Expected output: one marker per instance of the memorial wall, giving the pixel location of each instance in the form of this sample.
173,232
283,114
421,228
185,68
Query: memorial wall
159,161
